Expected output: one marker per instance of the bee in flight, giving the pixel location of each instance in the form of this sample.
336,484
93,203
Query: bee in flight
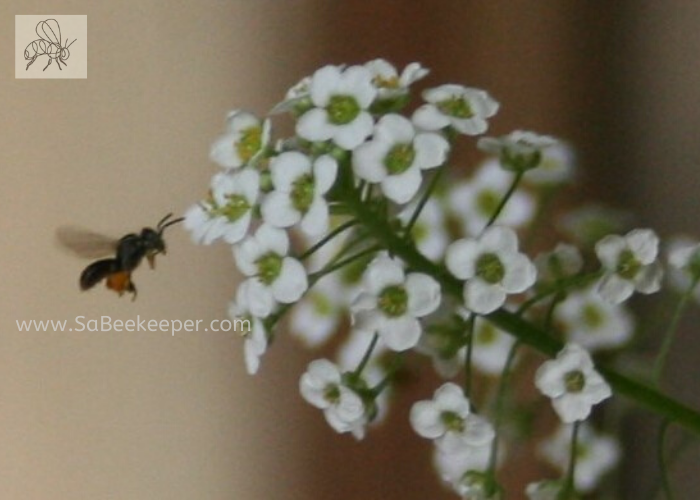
49,43
128,251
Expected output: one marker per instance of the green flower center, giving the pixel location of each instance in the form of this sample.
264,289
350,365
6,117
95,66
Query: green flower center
520,161
487,201
452,421
592,316
331,393
303,193
490,268
486,335
342,109
236,207
249,143
393,301
391,82
399,158
269,267
456,106
627,265
322,305
574,381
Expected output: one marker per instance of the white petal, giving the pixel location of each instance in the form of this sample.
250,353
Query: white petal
428,117
315,221
431,150
572,408
325,173
423,294
314,126
368,161
499,239
400,334
291,283
520,274
236,231
460,258
615,289
354,133
450,397
402,187
648,280
223,152
323,85
272,239
382,272
287,168
644,243
395,129
608,250
483,298
278,210
245,254
259,298
425,420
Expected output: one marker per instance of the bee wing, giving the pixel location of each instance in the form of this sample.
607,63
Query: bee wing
85,243
50,31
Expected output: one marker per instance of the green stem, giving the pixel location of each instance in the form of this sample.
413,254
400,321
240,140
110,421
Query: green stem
500,400
367,355
308,253
313,278
424,199
569,489
660,362
504,200
663,466
526,332
468,356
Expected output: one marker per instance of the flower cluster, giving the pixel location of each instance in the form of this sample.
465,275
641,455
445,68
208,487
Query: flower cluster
354,227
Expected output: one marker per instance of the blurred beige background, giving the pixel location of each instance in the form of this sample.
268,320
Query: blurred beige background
144,415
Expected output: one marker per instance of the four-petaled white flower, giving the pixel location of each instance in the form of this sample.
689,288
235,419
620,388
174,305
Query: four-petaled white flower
491,348
322,385
594,323
558,166
447,419
684,265
547,489
228,212
572,383
341,99
562,262
298,192
391,302
492,268
243,143
430,229
463,108
273,276
474,202
630,264
388,81
518,151
396,155
255,337
596,455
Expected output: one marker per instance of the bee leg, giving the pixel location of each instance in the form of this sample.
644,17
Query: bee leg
48,64
31,62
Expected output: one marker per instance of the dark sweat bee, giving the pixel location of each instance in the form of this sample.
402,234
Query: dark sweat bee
49,43
129,251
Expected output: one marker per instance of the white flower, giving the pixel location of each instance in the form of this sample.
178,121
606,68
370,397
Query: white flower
298,192
395,156
465,471
595,455
465,109
630,264
594,323
430,230
684,262
244,141
341,98
492,268
447,419
322,386
228,213
255,343
491,347
273,277
518,151
544,490
388,81
473,202
558,166
391,302
297,97
572,383
562,262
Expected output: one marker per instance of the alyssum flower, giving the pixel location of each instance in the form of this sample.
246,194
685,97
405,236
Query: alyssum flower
395,156
299,186
572,383
245,139
630,264
518,151
492,268
273,276
463,108
391,302
255,343
341,99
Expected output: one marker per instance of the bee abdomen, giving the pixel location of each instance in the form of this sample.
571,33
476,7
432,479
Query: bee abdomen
96,272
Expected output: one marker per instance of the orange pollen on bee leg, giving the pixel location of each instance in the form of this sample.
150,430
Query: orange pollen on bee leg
119,282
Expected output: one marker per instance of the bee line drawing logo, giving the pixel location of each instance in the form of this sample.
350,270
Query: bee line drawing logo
49,44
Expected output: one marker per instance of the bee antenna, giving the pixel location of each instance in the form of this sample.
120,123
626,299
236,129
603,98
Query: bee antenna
161,226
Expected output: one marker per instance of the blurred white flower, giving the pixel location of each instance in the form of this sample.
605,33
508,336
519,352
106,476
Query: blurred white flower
490,348
630,264
558,166
562,262
572,383
245,140
491,267
474,201
430,230
595,455
463,108
299,189
592,322
341,99
544,490
684,262
518,151
255,343
389,83
273,276
391,302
